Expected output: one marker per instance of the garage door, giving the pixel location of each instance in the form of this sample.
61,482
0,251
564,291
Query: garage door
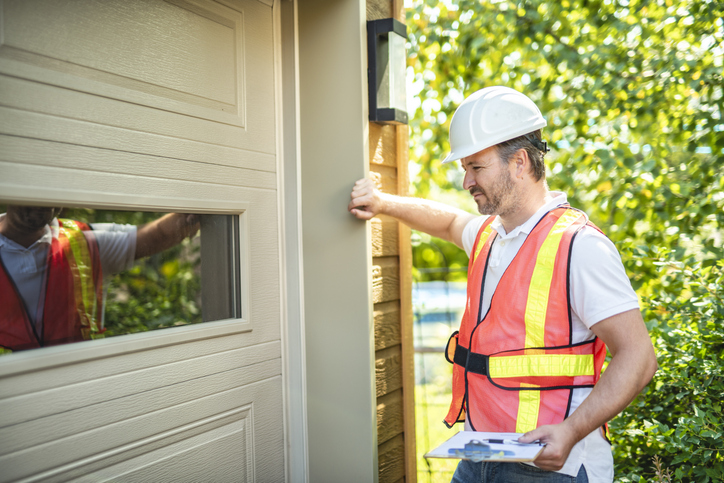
149,106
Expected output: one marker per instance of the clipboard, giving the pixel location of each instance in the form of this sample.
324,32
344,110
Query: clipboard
476,446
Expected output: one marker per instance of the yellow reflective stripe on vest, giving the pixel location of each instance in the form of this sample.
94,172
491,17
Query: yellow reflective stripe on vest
481,242
541,365
528,409
535,319
537,365
83,273
540,284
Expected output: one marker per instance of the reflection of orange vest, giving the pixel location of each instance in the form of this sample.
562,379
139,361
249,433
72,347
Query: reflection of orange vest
73,294
516,369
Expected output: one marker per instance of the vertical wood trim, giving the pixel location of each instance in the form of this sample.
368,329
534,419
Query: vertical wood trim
406,317
398,12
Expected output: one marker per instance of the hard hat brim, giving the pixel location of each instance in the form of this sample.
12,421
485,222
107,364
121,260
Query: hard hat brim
464,153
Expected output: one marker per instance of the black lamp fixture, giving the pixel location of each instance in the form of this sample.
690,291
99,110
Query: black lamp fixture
386,59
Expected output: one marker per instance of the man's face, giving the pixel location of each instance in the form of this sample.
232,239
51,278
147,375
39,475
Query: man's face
490,183
30,219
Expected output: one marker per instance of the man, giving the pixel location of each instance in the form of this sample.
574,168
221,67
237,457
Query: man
546,291
51,271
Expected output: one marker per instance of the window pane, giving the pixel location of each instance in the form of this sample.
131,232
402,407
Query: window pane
85,274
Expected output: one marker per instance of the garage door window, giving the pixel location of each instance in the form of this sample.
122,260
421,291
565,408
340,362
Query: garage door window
80,274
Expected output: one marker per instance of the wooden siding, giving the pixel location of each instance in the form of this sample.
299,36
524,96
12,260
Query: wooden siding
391,294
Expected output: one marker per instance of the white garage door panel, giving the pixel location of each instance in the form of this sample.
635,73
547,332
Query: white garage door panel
219,372
142,454
74,105
46,153
22,182
199,458
172,39
164,428
90,419
200,62
33,125
78,187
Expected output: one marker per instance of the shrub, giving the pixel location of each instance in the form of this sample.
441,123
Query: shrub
679,415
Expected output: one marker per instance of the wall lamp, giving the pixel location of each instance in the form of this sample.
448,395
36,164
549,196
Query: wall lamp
386,60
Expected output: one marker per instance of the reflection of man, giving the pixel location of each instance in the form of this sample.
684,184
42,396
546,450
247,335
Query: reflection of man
51,271
546,293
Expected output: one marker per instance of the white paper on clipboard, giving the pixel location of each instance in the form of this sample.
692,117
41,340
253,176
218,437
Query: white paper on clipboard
455,447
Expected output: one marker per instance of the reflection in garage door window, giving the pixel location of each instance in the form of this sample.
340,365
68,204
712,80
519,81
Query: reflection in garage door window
78,274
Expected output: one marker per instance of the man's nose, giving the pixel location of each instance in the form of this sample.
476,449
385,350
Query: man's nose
468,180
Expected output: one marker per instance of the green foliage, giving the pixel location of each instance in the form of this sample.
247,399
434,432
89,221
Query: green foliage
432,399
633,94
436,259
679,417
632,91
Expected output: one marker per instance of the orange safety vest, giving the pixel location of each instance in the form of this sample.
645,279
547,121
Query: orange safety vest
515,369
73,294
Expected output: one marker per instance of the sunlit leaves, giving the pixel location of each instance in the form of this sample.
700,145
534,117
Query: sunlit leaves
628,88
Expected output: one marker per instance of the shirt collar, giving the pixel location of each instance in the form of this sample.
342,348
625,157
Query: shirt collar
553,200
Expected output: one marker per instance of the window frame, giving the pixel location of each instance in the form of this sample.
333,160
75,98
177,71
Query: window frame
54,356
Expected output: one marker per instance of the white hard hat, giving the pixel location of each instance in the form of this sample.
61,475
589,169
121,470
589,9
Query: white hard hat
491,116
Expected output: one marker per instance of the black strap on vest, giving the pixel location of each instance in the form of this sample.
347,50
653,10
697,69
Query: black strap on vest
471,361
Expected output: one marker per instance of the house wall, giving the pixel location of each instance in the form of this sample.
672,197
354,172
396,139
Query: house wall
391,295
339,333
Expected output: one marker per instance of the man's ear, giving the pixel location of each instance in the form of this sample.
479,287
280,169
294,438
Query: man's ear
522,163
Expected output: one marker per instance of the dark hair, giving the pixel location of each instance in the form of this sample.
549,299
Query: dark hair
533,145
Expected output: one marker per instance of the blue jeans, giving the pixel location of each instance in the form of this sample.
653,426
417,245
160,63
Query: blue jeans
496,472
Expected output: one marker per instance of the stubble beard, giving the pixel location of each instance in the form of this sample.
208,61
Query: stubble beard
500,198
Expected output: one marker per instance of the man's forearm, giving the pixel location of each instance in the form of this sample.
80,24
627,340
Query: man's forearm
632,366
434,218
164,233
624,378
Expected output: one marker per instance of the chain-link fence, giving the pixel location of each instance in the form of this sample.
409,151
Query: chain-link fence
438,297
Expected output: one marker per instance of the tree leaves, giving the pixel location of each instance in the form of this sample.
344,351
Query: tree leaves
631,90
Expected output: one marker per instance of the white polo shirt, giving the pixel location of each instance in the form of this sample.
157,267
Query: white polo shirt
600,289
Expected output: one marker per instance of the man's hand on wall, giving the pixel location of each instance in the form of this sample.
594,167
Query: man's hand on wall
366,201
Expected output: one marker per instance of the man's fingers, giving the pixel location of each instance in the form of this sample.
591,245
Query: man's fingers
366,182
355,208
529,437
558,446
360,192
550,459
361,214
358,203
363,187
364,203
